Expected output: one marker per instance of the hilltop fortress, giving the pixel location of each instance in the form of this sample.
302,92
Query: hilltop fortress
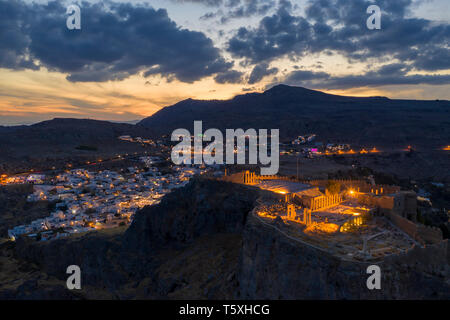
228,249
354,203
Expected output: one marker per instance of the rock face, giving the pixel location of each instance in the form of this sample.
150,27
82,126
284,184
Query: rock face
202,242
273,266
96,255
171,231
202,207
33,290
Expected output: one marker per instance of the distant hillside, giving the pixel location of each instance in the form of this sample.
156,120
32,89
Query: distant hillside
373,121
295,111
62,136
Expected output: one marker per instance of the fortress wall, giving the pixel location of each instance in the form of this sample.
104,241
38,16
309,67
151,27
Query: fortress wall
423,234
429,234
235,177
385,203
403,203
360,185
411,205
399,204
407,226
274,177
249,177
401,210
437,254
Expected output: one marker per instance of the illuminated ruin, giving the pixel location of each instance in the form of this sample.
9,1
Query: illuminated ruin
361,221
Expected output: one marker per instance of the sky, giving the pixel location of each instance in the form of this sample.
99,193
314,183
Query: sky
131,58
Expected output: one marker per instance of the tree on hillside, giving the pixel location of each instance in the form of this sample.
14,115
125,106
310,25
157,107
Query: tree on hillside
333,187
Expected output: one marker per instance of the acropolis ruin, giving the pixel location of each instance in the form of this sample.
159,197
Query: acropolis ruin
360,220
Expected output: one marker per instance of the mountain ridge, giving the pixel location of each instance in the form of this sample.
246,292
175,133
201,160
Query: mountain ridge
366,121
297,110
60,138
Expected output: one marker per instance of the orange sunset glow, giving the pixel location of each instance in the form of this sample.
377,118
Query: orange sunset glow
89,88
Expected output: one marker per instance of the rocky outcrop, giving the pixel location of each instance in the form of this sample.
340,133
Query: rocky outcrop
273,266
204,206
97,255
202,241
36,290
113,260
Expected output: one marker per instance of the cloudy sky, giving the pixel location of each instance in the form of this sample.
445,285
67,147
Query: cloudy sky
131,58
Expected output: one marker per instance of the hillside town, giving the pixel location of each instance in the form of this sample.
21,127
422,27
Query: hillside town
86,200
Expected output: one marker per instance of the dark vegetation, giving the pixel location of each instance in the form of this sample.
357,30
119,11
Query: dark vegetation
333,187
15,210
86,148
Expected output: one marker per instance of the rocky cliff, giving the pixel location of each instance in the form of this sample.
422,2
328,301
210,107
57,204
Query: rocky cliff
202,242
202,207
186,246
273,266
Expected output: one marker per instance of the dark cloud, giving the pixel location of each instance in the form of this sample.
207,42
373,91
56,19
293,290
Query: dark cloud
340,26
209,3
431,59
393,69
231,76
276,36
301,76
209,15
116,40
14,44
369,80
247,8
235,9
391,74
260,71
